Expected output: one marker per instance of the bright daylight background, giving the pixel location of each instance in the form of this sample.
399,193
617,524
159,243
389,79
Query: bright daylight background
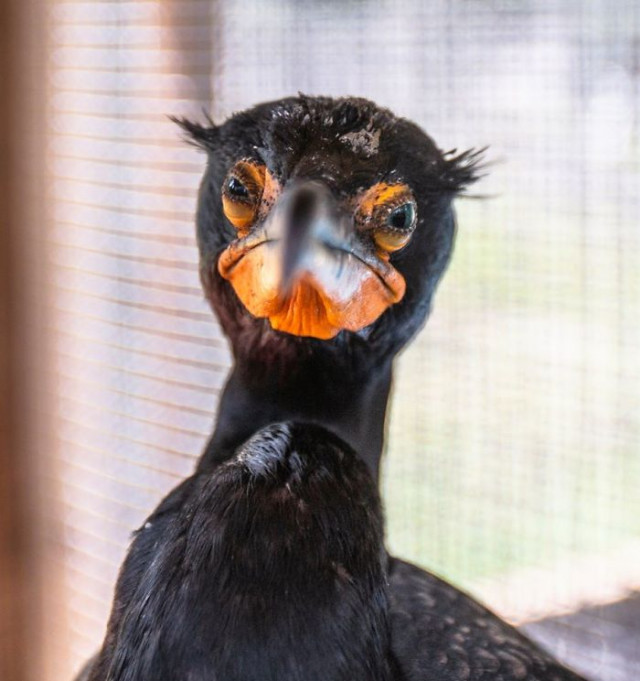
513,463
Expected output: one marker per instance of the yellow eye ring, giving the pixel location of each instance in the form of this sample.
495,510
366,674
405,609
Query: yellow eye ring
242,193
389,212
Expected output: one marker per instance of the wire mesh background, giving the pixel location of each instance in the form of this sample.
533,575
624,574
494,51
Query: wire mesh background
513,457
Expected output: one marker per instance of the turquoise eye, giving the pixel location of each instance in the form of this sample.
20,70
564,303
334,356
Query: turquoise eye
394,231
403,217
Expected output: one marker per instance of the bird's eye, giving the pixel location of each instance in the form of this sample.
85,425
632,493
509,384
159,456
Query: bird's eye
388,212
397,229
236,189
403,217
242,194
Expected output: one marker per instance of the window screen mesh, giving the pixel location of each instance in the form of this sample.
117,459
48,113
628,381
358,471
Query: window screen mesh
513,460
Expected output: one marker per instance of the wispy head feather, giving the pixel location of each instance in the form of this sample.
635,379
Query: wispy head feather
200,136
460,170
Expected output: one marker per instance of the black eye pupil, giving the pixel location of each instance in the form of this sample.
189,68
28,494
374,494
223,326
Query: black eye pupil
236,188
402,217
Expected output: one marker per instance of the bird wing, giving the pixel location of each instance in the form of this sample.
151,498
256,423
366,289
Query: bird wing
439,633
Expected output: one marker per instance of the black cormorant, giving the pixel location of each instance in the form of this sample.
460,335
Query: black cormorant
324,227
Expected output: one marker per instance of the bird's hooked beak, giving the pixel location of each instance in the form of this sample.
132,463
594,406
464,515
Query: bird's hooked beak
307,270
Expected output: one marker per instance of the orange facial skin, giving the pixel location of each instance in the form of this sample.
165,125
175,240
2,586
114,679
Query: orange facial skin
336,287
340,292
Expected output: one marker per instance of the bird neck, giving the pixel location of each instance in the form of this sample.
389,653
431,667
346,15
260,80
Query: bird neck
351,401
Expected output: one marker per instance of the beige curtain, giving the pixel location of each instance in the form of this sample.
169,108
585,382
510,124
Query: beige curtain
138,358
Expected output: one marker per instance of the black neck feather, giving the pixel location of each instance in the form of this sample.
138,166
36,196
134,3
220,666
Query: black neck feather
304,382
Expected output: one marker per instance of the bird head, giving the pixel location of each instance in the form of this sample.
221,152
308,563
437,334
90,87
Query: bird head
324,219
